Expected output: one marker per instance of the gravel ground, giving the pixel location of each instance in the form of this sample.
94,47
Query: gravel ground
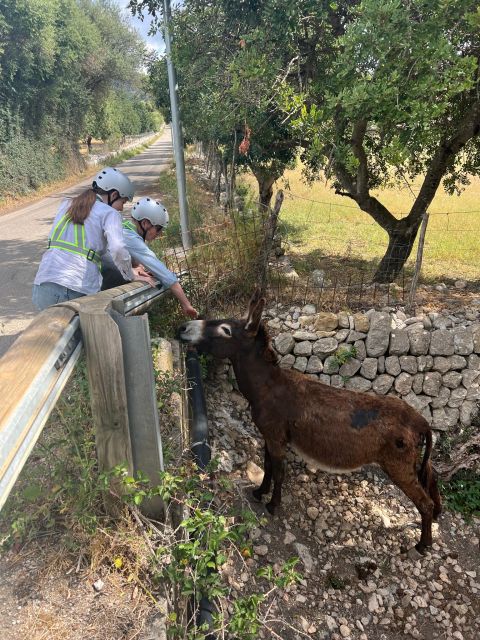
351,533
42,597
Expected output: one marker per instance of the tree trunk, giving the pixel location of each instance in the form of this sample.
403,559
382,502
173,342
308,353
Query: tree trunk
265,190
400,243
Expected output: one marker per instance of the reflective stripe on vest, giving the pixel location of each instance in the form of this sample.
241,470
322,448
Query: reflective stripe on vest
78,246
128,224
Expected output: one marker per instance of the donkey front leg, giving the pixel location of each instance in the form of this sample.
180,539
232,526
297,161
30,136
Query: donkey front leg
267,476
277,457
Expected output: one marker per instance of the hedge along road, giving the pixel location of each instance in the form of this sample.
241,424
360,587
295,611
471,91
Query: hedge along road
24,233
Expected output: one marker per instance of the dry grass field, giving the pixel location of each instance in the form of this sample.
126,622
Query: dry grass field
320,226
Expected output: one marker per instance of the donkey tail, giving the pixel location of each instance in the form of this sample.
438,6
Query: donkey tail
428,476
425,471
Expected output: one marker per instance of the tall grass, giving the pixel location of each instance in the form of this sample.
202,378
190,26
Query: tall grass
222,264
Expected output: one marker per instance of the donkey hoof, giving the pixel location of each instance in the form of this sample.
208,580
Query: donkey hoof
420,548
412,553
271,508
257,494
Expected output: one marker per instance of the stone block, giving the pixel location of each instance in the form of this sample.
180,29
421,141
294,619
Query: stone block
463,340
300,364
369,368
392,365
403,384
284,343
378,337
350,368
325,321
419,342
441,399
432,383
361,322
358,384
399,342
441,343
324,347
417,385
287,361
452,379
408,364
303,348
383,383
330,365
314,365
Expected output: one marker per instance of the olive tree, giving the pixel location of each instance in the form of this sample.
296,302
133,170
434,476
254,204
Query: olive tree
399,100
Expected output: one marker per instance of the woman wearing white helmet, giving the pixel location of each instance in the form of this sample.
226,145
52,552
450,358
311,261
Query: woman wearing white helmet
148,219
83,230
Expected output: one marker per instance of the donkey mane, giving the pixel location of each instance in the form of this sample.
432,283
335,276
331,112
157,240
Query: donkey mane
263,344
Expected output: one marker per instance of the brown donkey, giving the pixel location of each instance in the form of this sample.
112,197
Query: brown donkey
339,430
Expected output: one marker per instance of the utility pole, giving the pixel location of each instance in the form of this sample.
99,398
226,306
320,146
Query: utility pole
176,131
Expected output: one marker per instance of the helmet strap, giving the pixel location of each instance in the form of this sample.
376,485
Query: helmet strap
144,232
112,199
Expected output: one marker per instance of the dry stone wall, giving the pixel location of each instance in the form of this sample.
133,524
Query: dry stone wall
432,361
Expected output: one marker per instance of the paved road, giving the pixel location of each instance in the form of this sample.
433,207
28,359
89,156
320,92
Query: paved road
24,232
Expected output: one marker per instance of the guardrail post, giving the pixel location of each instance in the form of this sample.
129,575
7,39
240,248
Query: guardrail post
106,378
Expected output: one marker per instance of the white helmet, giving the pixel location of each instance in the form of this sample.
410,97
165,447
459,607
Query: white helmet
111,179
152,210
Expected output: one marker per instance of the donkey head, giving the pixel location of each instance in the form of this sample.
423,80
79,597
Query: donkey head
225,338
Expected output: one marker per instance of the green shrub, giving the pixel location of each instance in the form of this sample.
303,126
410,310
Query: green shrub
462,493
26,164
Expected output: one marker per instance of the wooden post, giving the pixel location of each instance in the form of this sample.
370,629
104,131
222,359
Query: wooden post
267,242
418,263
106,379
120,376
143,416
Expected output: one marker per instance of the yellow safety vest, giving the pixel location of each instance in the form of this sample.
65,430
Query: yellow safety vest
128,224
78,246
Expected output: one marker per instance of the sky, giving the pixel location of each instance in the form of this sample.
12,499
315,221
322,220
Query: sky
154,42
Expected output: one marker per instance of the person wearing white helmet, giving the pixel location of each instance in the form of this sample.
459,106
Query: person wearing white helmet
84,229
115,184
148,220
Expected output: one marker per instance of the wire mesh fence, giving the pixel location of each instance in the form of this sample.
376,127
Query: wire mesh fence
331,229
223,265
323,253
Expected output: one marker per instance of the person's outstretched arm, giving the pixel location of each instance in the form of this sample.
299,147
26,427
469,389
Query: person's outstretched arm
179,293
140,252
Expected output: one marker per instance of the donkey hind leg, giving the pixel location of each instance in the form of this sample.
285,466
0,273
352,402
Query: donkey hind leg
428,480
267,476
406,479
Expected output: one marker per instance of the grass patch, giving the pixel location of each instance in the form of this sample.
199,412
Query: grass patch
126,154
58,488
222,265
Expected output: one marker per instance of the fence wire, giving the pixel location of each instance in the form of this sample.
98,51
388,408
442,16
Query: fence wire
323,253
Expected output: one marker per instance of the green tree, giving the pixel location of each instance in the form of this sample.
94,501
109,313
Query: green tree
225,70
398,99
375,92
63,63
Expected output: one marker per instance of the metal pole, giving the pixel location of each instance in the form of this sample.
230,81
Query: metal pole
176,131
143,418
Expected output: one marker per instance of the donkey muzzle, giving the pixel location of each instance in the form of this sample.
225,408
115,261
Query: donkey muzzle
191,332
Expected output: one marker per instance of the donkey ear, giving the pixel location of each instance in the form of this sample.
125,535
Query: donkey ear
254,316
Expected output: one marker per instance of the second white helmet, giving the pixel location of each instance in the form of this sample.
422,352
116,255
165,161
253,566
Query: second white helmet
110,179
152,210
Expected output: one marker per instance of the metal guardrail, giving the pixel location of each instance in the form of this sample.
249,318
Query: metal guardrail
137,301
21,427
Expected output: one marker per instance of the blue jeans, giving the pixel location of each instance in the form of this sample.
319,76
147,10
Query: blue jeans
49,293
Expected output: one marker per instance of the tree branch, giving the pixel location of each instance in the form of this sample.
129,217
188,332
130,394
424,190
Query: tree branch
467,128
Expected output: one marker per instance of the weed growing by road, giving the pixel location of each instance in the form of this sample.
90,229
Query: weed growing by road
59,487
193,556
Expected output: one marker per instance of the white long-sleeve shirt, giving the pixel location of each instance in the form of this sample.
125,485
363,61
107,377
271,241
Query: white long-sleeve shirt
143,255
139,250
103,232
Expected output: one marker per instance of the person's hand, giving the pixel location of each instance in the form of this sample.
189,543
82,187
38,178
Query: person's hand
139,273
190,311
140,270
